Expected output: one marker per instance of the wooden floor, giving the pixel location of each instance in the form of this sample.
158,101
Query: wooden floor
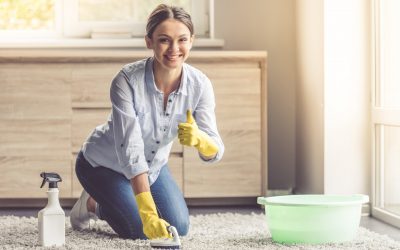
366,221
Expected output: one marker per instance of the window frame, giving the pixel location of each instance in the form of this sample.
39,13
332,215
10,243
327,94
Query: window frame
380,116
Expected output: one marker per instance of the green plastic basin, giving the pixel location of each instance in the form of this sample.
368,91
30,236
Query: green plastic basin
313,219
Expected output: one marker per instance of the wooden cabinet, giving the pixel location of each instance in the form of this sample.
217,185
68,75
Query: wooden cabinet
35,128
50,102
237,90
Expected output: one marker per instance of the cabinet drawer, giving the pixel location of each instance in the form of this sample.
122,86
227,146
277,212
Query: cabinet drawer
84,122
35,137
90,84
34,91
238,174
22,178
237,96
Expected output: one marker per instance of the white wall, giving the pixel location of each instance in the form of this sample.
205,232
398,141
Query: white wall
347,94
309,104
333,122
268,25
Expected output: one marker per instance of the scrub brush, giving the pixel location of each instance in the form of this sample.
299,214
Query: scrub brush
170,243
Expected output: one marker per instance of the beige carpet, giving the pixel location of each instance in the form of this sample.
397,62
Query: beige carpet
212,231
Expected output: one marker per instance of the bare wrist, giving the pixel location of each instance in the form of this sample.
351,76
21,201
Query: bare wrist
140,183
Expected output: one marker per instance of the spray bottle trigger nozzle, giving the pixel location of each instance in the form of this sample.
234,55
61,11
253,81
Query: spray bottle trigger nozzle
51,178
43,182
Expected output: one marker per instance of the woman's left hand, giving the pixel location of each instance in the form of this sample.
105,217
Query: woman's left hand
189,134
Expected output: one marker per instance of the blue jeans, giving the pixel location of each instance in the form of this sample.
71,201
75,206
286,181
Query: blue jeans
116,199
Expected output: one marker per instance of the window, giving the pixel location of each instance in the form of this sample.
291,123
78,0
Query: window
386,112
27,18
124,17
92,18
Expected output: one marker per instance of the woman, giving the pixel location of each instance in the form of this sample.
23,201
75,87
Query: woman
123,164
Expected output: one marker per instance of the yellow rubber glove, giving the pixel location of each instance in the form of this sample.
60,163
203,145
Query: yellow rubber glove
153,226
190,135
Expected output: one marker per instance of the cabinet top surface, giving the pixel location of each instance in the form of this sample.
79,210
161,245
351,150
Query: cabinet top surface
82,55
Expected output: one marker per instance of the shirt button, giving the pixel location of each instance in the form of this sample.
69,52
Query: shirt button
122,145
167,114
158,142
148,161
153,152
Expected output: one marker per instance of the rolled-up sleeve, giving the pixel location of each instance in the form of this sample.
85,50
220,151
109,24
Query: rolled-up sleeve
129,145
204,115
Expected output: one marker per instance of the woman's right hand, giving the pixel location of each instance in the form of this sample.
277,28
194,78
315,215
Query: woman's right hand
153,226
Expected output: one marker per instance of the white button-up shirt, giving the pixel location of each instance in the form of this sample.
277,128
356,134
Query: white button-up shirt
139,133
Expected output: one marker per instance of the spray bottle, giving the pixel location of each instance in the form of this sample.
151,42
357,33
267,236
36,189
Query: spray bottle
52,217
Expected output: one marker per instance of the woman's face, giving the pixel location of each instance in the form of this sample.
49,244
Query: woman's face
171,42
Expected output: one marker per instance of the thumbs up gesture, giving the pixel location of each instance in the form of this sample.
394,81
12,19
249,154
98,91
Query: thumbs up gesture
190,135
188,131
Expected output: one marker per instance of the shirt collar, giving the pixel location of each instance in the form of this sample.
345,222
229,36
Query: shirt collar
151,84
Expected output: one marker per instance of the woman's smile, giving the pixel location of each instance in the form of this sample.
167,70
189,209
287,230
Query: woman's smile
173,57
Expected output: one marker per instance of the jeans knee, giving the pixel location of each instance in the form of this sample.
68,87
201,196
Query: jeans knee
132,234
182,226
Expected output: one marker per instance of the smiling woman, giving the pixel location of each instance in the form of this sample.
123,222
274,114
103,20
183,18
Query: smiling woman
130,151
